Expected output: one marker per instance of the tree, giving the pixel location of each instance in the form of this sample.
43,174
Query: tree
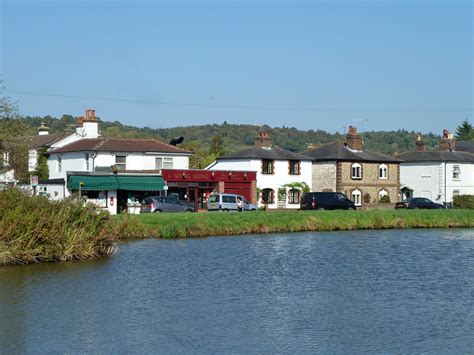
216,146
465,131
13,138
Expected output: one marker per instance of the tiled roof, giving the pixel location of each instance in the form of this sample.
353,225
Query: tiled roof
119,145
263,153
438,156
465,146
339,151
47,140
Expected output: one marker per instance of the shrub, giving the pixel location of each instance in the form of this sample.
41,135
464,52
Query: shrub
366,197
384,199
464,201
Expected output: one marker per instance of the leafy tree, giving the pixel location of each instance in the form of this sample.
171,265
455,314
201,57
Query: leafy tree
465,131
13,137
216,145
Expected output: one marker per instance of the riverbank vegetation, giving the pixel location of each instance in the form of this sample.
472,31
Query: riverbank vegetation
34,229
207,224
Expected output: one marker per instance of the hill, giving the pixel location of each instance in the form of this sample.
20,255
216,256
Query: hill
210,141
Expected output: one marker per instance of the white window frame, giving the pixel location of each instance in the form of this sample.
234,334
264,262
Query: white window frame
456,172
383,172
382,193
6,159
356,197
121,166
356,171
164,163
86,160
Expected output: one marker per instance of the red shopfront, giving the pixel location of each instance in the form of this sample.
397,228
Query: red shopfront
195,186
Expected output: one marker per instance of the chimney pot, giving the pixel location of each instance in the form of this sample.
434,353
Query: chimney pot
354,140
263,140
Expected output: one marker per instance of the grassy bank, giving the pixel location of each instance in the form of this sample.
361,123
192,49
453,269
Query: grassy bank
34,229
206,224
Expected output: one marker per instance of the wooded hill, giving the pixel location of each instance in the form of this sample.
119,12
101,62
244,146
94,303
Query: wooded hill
209,141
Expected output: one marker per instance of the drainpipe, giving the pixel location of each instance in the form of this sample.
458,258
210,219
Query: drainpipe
445,180
93,160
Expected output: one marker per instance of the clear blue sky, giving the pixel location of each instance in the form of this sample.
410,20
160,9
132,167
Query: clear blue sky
352,55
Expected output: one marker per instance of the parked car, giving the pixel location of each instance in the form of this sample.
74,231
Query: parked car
158,204
228,202
418,202
326,201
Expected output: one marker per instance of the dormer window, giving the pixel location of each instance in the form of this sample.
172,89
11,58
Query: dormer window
383,171
267,167
356,171
294,167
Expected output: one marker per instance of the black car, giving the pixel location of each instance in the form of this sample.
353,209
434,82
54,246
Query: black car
326,201
158,204
418,203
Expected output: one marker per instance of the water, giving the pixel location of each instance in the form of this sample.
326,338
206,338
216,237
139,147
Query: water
378,291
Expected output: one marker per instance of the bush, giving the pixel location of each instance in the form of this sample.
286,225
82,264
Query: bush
384,199
464,202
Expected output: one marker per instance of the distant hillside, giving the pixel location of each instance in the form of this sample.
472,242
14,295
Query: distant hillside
230,138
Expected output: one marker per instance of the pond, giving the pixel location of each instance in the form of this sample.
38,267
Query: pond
364,291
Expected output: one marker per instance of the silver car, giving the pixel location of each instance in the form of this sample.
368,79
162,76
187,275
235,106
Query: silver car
228,203
157,204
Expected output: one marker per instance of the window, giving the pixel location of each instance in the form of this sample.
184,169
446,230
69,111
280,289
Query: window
456,172
163,163
6,159
383,171
229,199
356,171
87,161
356,197
121,162
294,196
60,164
456,193
267,196
267,166
294,167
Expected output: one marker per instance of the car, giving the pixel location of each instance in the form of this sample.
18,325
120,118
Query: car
418,203
326,201
157,204
228,203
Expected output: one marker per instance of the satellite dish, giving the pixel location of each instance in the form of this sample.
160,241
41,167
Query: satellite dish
176,140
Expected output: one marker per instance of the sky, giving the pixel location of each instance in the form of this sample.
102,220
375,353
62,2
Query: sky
377,65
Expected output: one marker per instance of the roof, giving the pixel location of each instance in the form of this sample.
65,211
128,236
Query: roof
339,151
465,146
119,145
438,156
39,141
264,153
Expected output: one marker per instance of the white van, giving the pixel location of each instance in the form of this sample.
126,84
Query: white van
228,202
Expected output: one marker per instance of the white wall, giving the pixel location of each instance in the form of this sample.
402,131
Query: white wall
274,181
428,179
53,192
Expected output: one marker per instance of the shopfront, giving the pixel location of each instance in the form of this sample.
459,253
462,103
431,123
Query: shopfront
195,186
116,193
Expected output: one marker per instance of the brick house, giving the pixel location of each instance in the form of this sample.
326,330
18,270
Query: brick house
362,175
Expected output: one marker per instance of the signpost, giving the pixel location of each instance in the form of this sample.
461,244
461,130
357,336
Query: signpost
34,183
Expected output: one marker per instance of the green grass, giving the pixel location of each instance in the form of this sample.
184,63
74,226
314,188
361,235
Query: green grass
178,225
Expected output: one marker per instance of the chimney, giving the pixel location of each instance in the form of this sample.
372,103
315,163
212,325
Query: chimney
87,115
420,144
447,142
263,140
80,120
354,140
92,115
43,130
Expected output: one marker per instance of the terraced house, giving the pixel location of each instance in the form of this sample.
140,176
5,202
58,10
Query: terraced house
362,175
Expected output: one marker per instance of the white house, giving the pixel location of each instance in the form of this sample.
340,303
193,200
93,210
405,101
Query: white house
438,175
278,170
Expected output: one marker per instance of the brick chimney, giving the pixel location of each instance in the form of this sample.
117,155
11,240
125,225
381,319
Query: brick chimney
263,140
354,140
420,144
447,142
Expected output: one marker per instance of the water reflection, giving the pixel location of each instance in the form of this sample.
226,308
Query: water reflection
397,291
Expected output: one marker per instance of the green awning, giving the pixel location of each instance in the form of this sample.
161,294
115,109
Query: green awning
141,183
114,182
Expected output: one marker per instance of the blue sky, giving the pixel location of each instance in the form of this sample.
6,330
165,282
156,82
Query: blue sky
311,65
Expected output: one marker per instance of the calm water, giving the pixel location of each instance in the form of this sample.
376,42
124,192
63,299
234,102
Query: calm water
395,291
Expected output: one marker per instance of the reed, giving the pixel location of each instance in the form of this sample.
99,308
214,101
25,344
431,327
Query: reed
176,225
34,229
